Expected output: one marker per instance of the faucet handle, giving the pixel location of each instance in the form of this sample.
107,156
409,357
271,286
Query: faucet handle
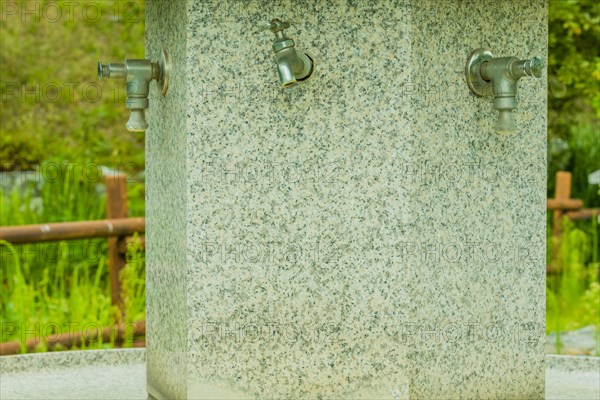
534,66
102,70
275,25
521,68
111,70
264,26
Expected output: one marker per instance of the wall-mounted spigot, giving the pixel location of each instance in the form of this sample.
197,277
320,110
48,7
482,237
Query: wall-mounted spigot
293,65
498,76
138,74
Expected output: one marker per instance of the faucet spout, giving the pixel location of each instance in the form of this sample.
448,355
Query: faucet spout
137,121
286,72
498,76
292,65
138,73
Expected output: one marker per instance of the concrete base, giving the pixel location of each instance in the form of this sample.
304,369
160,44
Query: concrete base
120,374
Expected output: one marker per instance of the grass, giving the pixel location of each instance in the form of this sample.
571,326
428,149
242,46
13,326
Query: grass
63,286
573,294
53,105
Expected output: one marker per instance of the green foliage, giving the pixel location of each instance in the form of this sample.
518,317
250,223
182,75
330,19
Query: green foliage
56,283
53,107
573,39
572,296
574,94
67,196
573,299
52,292
133,279
18,151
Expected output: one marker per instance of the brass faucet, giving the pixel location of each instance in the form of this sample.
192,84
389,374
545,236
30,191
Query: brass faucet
138,74
499,76
293,65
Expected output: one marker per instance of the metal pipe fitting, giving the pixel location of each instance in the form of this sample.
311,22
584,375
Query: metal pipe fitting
292,65
498,77
138,74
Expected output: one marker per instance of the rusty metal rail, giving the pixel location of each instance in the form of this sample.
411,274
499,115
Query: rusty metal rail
117,228
72,230
118,334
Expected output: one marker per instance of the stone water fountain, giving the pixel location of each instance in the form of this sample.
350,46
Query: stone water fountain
366,232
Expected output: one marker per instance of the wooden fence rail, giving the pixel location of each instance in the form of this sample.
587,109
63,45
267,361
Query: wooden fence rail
563,205
117,229
133,333
71,230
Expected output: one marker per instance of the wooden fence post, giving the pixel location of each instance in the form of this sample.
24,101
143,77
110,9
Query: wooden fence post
562,191
116,207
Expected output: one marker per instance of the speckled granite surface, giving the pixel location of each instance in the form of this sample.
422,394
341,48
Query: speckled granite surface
478,285
364,234
572,377
77,375
120,374
166,215
56,360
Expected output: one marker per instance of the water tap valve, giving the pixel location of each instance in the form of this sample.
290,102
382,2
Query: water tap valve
138,74
293,65
498,76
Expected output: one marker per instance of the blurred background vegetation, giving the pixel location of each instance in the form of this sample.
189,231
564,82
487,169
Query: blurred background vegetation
53,106
574,94
54,110
573,295
56,116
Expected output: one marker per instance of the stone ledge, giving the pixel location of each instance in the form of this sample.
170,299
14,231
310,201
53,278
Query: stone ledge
121,374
